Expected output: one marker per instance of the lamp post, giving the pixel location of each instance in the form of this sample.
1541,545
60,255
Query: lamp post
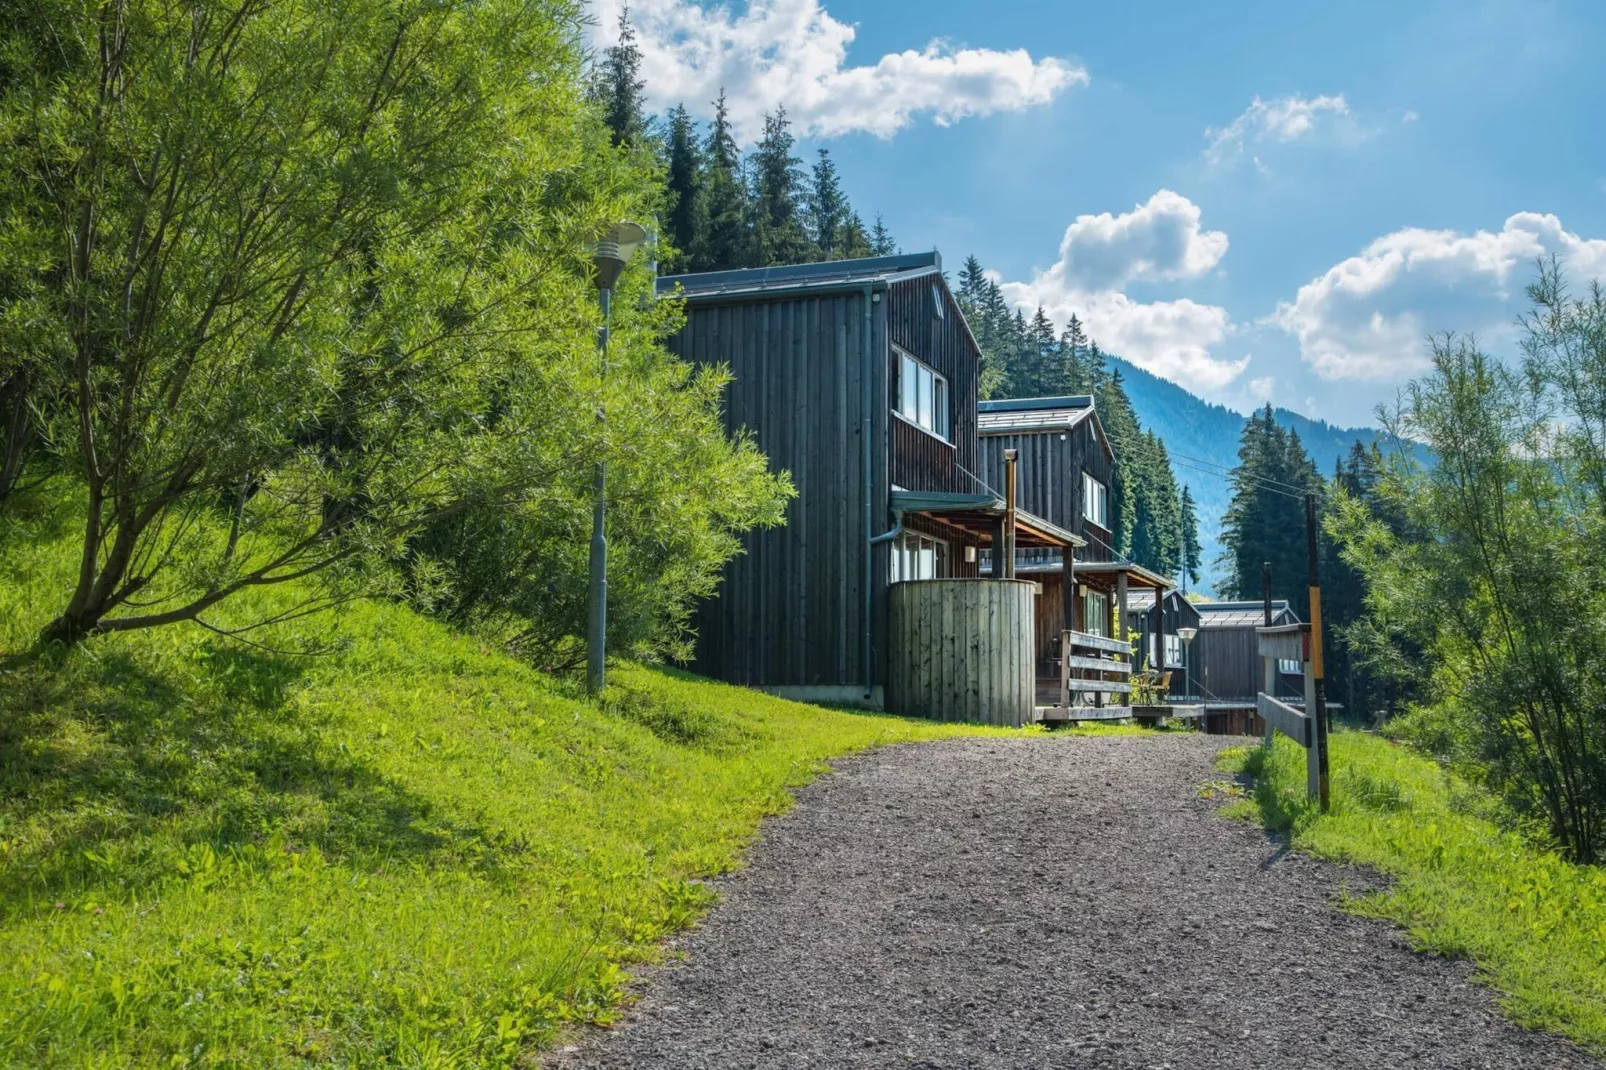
1186,635
613,251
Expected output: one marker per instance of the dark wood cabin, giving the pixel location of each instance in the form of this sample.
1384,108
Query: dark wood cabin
1160,646
1227,670
1065,469
859,378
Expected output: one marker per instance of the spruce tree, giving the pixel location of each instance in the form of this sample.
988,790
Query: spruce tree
729,242
618,87
855,240
1266,518
688,208
1191,550
881,243
777,182
972,283
828,210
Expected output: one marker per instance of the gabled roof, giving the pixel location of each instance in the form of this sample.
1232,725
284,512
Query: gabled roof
1243,614
787,278
1014,416
1033,414
1141,600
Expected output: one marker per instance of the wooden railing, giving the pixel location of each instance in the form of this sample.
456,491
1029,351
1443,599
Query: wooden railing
1092,667
1290,642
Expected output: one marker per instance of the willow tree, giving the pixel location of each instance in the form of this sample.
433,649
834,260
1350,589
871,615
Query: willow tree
306,275
1486,566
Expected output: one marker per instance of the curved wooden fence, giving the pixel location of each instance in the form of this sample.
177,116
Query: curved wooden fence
962,650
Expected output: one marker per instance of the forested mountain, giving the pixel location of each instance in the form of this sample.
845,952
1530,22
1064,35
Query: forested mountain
1203,438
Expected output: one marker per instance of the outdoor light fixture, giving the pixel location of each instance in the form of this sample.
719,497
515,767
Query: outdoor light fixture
610,255
614,250
1186,635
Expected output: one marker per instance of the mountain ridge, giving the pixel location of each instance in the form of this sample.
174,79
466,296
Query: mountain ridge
1202,439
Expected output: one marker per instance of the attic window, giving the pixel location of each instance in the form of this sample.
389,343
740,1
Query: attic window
936,299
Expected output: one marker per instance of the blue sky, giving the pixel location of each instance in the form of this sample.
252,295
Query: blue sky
1259,200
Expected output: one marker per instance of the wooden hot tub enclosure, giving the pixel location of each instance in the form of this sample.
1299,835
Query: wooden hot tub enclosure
962,650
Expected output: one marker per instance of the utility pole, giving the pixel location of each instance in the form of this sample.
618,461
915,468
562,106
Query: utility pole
1319,713
613,251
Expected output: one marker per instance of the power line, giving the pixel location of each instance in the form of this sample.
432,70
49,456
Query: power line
1228,472
1271,487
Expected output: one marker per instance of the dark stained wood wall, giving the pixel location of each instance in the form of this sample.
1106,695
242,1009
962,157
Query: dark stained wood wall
1050,478
922,461
1227,666
789,609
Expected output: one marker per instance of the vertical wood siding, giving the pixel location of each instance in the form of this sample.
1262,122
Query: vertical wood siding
922,461
1050,478
789,609
961,651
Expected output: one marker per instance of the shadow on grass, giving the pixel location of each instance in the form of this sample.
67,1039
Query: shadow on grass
110,770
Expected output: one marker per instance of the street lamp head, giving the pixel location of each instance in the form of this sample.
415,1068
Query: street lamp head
614,250
1187,634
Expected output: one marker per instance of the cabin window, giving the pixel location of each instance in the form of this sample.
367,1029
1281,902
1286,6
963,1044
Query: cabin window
1291,666
917,557
936,301
922,395
1173,651
1095,501
1096,613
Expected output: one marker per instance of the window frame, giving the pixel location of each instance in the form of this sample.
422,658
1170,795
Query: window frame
1089,598
906,553
925,396
1094,490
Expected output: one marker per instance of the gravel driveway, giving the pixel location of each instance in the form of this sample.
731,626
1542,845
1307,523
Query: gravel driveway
1055,902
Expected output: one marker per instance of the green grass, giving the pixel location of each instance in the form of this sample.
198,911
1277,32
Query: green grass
414,851
1534,925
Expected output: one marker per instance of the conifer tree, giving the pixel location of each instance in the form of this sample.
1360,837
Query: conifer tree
828,209
1191,550
778,232
688,210
1266,518
881,243
855,240
618,87
729,243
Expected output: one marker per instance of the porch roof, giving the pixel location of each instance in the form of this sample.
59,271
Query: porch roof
977,513
1136,575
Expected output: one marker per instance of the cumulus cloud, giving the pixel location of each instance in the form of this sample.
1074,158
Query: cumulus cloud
793,53
1159,240
1281,120
1366,318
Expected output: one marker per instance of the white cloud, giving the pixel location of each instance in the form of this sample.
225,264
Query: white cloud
1260,390
1159,240
1281,120
1367,317
793,53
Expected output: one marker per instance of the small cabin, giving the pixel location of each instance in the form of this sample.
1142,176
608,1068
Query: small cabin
1160,643
1227,671
859,378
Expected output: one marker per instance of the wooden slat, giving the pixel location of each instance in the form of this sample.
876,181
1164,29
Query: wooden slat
1285,719
1088,686
1286,642
1096,642
1098,664
1063,714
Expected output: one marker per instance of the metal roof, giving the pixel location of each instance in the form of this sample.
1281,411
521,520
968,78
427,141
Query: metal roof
1066,401
1030,419
825,275
1242,614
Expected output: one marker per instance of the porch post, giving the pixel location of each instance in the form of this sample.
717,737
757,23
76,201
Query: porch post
1068,587
1157,644
1120,598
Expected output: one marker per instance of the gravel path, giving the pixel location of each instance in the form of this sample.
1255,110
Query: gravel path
1047,903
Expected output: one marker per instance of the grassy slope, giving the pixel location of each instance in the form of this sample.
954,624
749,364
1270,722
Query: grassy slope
414,851
1534,924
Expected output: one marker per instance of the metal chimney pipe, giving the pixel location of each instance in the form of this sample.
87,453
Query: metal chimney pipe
1009,514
